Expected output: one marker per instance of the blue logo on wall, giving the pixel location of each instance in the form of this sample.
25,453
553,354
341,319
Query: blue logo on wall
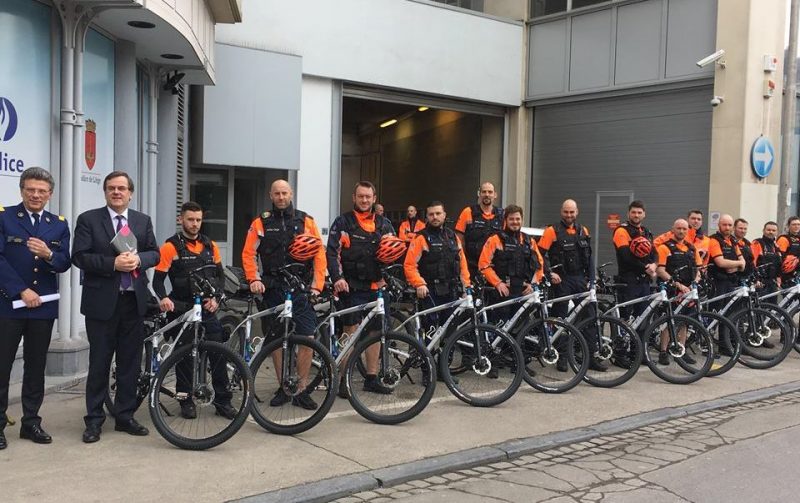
762,157
8,119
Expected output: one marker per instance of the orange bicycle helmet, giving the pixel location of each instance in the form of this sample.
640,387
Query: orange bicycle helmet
304,247
789,264
641,247
390,249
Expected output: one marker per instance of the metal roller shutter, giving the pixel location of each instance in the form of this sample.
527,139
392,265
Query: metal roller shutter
606,152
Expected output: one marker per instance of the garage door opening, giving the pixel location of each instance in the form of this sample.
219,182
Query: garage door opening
415,154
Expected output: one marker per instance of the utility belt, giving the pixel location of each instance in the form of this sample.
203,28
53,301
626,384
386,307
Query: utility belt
632,278
442,288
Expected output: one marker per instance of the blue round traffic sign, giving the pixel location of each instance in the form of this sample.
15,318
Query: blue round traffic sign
762,157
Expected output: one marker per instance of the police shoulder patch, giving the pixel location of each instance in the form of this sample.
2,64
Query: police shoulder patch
266,214
61,217
2,209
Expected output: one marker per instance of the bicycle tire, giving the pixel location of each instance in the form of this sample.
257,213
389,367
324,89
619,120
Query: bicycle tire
410,374
698,342
164,400
289,418
753,354
621,348
567,362
142,382
457,358
726,352
795,314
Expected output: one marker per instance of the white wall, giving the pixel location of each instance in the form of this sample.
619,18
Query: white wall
314,176
393,43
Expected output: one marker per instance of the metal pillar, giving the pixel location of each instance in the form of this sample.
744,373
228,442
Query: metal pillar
788,116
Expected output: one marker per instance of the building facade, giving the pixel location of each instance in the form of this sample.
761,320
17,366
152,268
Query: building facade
88,87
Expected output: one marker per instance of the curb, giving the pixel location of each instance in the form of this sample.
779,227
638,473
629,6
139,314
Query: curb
333,488
55,387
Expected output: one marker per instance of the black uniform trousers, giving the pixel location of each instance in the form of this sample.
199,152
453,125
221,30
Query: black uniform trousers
570,285
34,353
122,335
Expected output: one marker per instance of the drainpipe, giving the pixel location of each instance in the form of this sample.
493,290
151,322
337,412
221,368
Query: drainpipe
67,12
152,146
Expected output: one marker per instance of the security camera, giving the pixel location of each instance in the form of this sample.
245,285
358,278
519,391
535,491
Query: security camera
716,100
712,58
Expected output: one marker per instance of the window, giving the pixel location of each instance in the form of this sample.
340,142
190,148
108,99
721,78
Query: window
577,4
476,5
541,8
209,188
546,7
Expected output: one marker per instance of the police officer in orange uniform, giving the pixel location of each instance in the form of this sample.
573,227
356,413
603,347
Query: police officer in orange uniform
476,223
411,225
635,271
186,252
768,258
789,243
268,239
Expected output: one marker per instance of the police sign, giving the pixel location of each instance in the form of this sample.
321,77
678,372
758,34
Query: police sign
762,157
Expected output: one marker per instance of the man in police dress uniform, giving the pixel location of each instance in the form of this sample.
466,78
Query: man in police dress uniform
34,248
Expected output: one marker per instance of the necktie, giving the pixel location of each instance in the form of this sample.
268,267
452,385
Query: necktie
35,222
125,281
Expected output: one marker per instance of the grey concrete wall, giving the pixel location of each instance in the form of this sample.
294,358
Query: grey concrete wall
632,44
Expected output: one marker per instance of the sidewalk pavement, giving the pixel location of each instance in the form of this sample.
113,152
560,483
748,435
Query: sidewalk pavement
447,435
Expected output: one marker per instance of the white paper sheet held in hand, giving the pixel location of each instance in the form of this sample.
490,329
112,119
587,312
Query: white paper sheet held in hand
50,297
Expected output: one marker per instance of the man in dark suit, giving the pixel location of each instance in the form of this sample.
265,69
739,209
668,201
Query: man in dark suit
34,247
114,301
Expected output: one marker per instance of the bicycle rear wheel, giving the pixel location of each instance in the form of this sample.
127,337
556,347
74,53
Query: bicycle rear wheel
216,381
681,363
725,339
559,368
484,382
403,384
619,351
766,340
283,401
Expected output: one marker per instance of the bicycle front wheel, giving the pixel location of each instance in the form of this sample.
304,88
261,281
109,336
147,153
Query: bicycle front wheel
297,399
616,348
688,353
482,378
726,341
200,399
766,340
560,367
403,382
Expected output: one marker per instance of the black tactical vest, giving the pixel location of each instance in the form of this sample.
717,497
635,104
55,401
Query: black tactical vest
728,253
634,232
439,265
769,255
516,262
359,266
572,251
186,261
679,258
479,230
280,227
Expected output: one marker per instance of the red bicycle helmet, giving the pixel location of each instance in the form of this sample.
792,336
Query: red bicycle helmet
390,249
304,247
789,264
641,247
